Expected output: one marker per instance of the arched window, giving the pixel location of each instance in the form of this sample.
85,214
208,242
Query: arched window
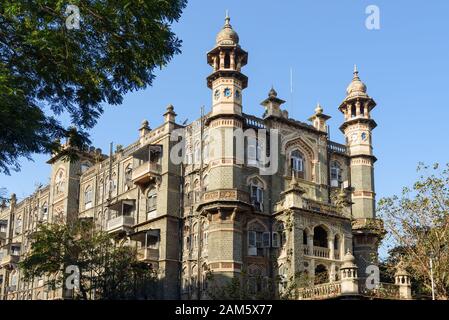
320,237
336,178
59,182
297,164
14,279
88,196
337,245
321,274
256,191
100,191
128,176
18,226
205,182
204,229
44,212
197,191
304,237
227,61
255,152
152,200
353,111
113,182
258,239
195,235
187,195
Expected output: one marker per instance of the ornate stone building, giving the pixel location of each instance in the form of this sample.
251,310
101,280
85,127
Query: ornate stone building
220,212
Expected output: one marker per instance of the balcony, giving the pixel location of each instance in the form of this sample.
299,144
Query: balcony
147,254
9,259
120,224
319,252
146,173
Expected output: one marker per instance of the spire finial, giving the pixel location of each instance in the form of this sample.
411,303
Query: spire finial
227,18
272,93
356,71
319,108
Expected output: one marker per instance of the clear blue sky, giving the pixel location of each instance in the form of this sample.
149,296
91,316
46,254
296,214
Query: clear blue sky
404,64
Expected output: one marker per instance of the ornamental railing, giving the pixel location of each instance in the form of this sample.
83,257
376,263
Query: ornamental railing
320,291
336,148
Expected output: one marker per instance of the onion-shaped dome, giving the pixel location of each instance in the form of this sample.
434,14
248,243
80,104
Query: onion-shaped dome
356,87
318,109
349,261
227,36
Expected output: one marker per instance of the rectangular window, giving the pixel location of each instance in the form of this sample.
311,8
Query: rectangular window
252,154
275,240
257,197
266,240
251,239
259,239
18,227
15,251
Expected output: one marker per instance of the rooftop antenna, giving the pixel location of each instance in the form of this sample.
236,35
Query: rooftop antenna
291,87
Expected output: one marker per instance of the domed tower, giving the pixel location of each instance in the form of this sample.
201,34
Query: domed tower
349,276
221,203
357,128
227,82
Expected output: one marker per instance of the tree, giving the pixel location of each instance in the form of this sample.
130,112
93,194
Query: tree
50,68
418,226
107,270
389,266
241,287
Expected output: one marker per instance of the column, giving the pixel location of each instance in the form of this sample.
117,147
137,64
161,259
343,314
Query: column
330,245
310,243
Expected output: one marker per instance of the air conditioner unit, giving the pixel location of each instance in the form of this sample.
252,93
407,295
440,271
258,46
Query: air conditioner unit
334,183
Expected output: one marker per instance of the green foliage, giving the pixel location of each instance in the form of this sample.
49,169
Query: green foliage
418,226
110,270
238,288
388,268
47,70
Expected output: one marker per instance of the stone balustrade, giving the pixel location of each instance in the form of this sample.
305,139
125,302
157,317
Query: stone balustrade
319,252
321,291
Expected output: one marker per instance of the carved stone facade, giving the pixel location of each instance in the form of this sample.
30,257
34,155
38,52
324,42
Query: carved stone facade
217,213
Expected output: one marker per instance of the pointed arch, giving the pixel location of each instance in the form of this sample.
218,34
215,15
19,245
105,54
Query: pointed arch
255,178
309,157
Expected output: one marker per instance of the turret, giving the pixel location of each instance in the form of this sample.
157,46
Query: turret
349,276
226,81
272,105
402,280
319,119
357,128
144,128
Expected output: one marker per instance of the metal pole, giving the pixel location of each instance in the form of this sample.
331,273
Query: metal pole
431,279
